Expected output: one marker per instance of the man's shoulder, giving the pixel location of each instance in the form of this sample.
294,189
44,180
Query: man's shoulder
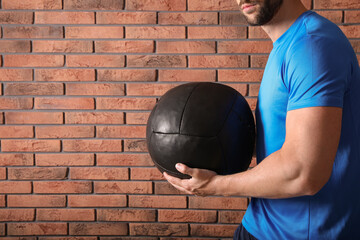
320,27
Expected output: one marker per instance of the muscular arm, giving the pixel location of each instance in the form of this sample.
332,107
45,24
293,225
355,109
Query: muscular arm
301,167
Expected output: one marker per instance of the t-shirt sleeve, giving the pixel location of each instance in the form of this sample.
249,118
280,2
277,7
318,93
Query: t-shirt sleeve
315,74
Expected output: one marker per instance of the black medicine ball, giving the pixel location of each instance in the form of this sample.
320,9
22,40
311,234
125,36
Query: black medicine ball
203,125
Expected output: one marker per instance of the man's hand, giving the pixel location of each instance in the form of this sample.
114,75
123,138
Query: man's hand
198,184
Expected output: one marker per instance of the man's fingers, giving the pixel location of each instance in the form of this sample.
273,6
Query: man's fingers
185,169
176,182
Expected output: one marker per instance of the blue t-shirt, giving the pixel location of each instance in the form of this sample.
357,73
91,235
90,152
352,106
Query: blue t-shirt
311,64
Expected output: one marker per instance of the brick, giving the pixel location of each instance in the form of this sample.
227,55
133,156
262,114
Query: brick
17,215
33,60
165,5
16,17
62,187
231,216
2,201
37,229
124,46
15,46
137,75
62,46
156,32
34,89
126,18
258,61
241,88
356,45
30,145
257,32
213,5
33,32
187,75
245,47
31,4
158,229
94,117
64,159
94,32
126,215
93,4
99,173
236,75
216,32
232,18
95,61
218,203
2,175
336,4
254,89
16,75
34,117
146,174
64,17
126,103
2,229
143,89
15,187
113,89
97,200
218,61
351,31
65,214
16,159
186,47
92,145
65,131
98,229
16,103
16,132
165,188
66,238
123,160
199,216
123,187
188,18
212,230
121,131
334,16
65,75
145,201
135,145
252,103
64,103
137,117
156,61
36,201
351,16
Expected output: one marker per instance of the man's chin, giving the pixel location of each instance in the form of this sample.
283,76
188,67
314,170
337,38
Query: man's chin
252,21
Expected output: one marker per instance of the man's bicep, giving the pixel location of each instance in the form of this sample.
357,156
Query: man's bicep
312,138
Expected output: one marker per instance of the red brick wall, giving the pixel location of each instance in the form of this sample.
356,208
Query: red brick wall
77,81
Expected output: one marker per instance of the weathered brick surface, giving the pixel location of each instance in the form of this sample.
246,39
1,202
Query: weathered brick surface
78,80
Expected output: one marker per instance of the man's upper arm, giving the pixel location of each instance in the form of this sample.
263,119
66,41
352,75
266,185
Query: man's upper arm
312,138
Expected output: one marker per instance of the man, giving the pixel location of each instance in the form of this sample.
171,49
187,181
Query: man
306,183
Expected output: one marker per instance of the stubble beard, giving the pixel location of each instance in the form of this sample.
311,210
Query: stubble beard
265,13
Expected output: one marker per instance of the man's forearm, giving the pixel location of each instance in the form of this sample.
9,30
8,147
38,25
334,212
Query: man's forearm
272,178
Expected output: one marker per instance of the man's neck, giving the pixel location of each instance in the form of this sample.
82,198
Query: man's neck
289,11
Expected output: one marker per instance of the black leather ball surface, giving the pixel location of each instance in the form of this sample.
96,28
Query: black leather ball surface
203,125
